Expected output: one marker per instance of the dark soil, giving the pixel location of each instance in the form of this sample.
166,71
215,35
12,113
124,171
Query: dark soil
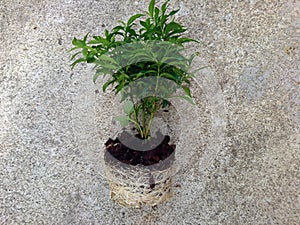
161,150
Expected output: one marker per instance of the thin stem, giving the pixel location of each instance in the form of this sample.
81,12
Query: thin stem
136,118
154,103
137,126
144,120
151,119
158,75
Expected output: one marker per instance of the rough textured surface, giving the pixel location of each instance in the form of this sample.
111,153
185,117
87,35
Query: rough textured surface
245,171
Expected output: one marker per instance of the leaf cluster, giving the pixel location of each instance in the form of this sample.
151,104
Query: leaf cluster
146,45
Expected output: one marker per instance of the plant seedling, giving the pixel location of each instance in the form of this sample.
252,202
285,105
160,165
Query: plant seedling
148,45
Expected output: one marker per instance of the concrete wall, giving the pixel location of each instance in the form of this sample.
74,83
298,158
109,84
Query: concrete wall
241,165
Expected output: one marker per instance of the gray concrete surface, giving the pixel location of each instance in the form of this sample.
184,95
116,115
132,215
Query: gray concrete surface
245,171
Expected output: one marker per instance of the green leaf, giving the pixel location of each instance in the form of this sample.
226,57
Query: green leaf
171,60
85,52
139,57
85,37
170,76
117,28
77,61
128,107
106,32
96,75
164,7
90,58
201,68
132,32
165,103
156,14
118,88
108,59
109,66
177,31
99,40
74,48
172,27
187,90
133,18
124,120
78,43
184,40
92,42
151,7
106,84
122,22
144,24
173,12
151,71
187,98
73,56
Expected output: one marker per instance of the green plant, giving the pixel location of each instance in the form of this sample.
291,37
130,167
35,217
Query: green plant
132,51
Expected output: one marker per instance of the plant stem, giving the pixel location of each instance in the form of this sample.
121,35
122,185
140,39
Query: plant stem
137,126
144,120
158,75
151,119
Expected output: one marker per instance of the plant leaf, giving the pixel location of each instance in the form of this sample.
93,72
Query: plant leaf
173,12
184,40
128,107
187,98
85,37
172,27
78,43
133,18
108,66
144,24
170,76
106,84
98,40
165,103
95,42
156,13
164,7
124,120
108,59
117,28
74,48
96,75
187,90
77,61
151,7
90,58
201,68
73,56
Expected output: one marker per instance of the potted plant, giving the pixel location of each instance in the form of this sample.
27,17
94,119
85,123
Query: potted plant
144,60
